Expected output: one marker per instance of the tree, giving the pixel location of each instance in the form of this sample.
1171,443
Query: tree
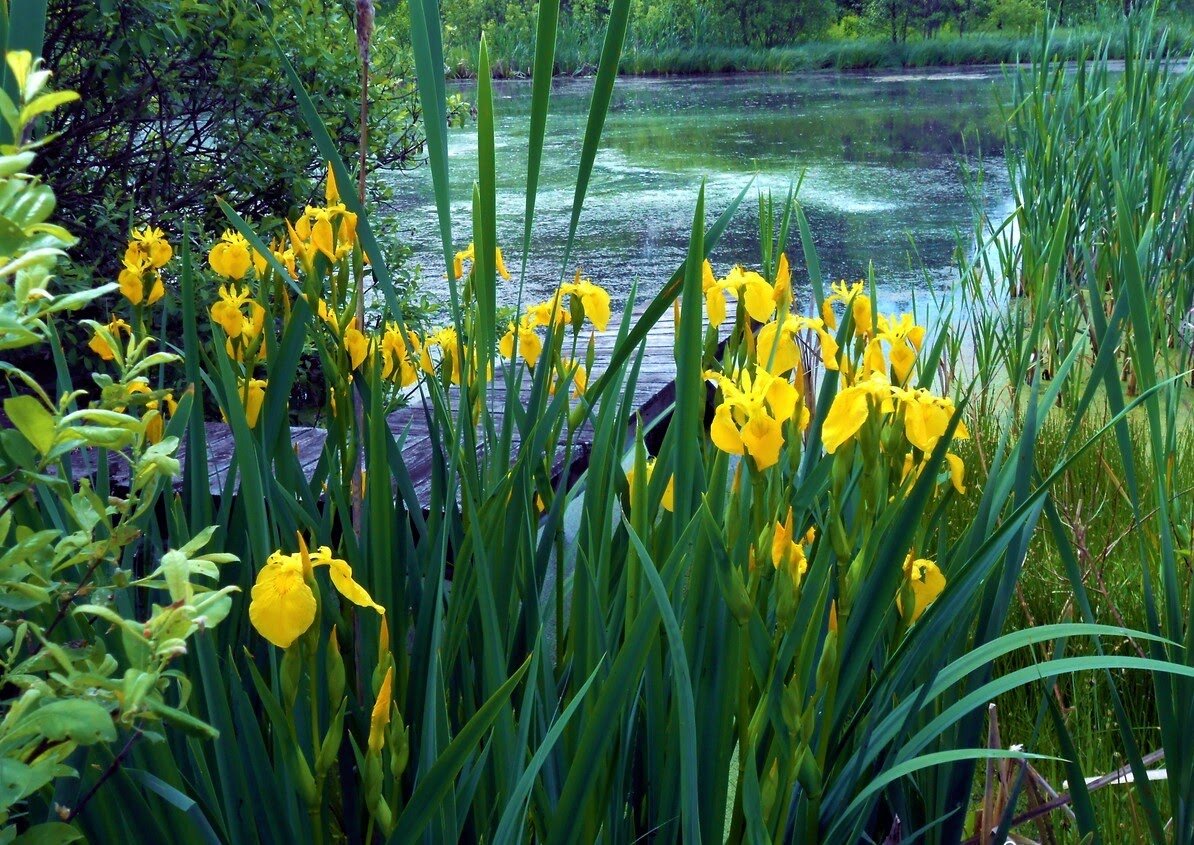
768,23
894,13
184,100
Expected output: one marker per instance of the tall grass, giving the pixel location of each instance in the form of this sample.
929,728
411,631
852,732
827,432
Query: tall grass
1097,261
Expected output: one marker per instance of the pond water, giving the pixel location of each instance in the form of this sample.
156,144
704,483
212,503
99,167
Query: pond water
881,156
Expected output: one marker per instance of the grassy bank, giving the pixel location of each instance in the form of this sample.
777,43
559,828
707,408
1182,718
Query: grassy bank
578,50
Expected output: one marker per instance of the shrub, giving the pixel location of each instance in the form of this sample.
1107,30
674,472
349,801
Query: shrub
85,658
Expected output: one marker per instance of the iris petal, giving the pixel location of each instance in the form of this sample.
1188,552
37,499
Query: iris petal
282,606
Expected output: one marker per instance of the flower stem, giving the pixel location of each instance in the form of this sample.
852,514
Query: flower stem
314,810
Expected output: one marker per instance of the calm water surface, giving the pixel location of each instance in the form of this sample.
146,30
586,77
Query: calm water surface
881,156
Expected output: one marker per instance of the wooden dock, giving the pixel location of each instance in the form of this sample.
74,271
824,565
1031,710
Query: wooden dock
653,395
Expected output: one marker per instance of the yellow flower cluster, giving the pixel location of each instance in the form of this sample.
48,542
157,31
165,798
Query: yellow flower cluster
907,423
761,397
572,304
140,278
400,352
128,343
922,417
330,231
240,316
232,257
762,407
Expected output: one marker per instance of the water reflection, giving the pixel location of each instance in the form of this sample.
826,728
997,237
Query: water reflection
880,156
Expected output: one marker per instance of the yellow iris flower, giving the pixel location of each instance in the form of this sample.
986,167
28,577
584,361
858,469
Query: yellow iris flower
242,328
747,286
356,345
787,553
227,310
231,257
300,247
749,420
926,582
155,418
331,192
778,351
446,341
547,313
101,346
379,719
957,472
668,500
330,231
905,339
593,300
396,355
470,255
852,407
530,347
151,242
715,307
851,296
926,417
283,602
251,394
137,268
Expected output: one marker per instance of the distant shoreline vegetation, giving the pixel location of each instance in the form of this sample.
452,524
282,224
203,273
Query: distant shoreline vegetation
577,55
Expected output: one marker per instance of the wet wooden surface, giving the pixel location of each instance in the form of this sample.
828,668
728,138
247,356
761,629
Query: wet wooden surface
653,395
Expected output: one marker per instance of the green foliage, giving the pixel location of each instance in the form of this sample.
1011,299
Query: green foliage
1015,15
848,26
91,627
